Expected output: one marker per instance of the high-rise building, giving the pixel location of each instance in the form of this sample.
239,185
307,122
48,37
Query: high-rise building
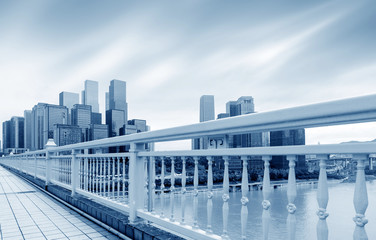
96,118
107,101
223,115
287,138
66,134
6,135
98,131
44,117
68,99
206,108
207,113
90,95
13,135
81,117
27,129
117,97
115,121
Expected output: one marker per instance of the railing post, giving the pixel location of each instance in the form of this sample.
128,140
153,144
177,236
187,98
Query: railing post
266,191
50,143
172,190
75,171
195,194
152,185
360,199
183,190
291,195
322,199
244,200
210,195
35,166
136,180
225,198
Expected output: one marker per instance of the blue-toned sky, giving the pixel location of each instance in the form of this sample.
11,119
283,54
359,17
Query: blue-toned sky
283,53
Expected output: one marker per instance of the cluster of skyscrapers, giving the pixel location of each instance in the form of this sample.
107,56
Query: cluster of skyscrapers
245,105
71,121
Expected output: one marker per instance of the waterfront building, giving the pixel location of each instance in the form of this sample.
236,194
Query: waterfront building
207,113
287,138
44,117
67,134
90,95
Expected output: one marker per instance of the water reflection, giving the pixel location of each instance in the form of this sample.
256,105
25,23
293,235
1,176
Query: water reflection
340,209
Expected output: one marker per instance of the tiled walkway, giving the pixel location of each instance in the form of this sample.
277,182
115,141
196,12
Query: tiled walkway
27,213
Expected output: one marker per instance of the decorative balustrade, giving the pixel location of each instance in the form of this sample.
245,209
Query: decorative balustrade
162,186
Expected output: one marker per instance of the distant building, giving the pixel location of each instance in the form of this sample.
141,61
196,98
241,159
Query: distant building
66,134
27,129
96,118
207,113
117,97
98,131
13,135
223,115
68,99
115,121
287,138
134,126
81,117
107,97
44,117
90,95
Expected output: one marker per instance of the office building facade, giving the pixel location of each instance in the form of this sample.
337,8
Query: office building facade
118,97
90,95
81,117
66,134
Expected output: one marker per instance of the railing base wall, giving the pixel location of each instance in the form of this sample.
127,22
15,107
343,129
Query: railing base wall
110,217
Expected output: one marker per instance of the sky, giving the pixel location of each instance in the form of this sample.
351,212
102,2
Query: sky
283,53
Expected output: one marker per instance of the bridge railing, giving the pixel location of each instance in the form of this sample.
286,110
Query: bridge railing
130,182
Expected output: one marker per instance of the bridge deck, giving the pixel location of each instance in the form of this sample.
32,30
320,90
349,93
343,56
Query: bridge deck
28,213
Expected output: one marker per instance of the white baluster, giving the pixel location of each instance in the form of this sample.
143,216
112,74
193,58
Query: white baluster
244,200
210,195
113,177
322,199
146,191
225,198
291,195
153,185
183,190
100,176
195,194
97,175
162,187
86,181
172,190
266,191
118,178
360,199
124,178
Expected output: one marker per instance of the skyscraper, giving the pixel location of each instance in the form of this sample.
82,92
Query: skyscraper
117,97
207,113
206,108
27,129
66,134
90,95
107,101
81,117
68,99
115,121
13,135
44,117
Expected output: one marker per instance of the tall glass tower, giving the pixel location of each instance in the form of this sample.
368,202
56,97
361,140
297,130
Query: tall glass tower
206,108
90,95
118,97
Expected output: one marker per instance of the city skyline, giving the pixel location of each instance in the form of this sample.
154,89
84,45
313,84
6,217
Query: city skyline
289,55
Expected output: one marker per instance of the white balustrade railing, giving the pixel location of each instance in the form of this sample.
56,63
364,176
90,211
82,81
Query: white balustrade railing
158,186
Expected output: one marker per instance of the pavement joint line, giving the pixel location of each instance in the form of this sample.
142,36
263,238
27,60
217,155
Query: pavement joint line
6,196
76,210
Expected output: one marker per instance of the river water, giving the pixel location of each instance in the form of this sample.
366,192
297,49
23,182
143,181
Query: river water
340,209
